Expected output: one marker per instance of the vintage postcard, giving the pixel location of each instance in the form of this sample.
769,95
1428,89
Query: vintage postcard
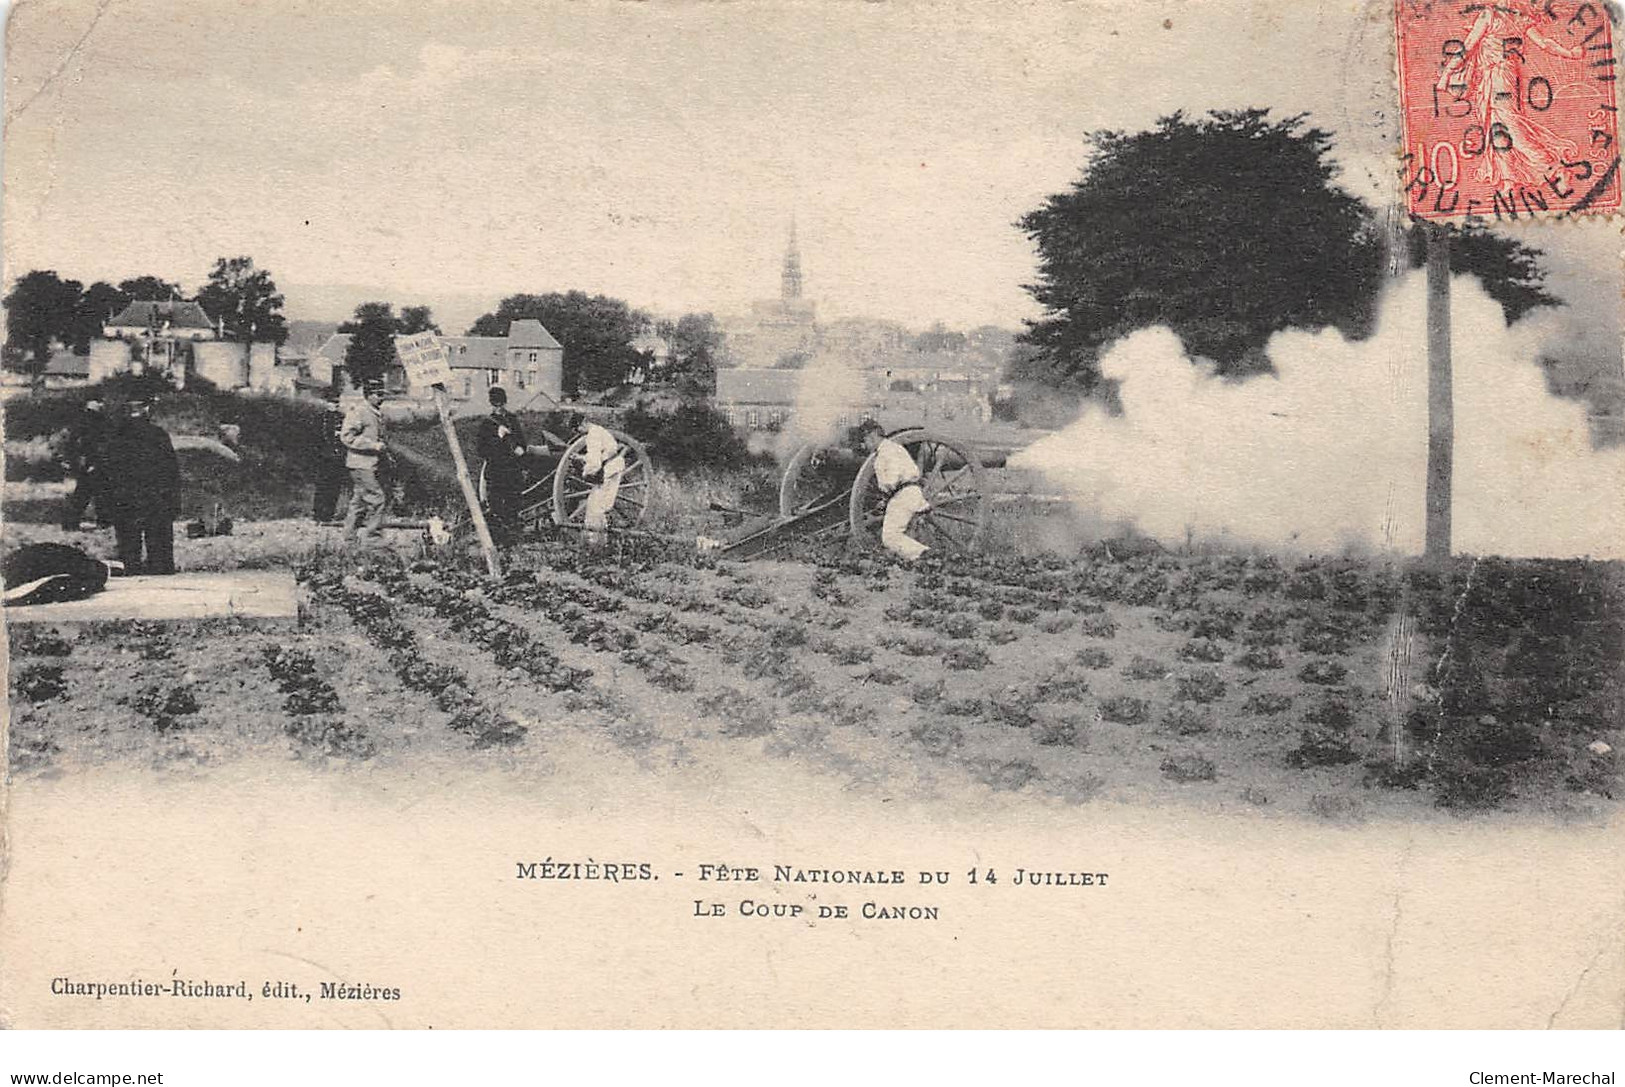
790,514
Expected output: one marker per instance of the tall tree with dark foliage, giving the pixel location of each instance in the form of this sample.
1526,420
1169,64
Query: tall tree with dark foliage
41,307
1227,229
595,330
245,299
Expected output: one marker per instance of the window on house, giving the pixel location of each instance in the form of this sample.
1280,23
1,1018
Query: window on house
752,419
532,357
468,388
462,349
519,380
534,379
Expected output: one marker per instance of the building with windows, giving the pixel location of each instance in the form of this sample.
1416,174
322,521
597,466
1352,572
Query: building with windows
528,362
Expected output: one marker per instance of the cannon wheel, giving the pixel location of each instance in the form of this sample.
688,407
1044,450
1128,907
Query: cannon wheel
538,497
570,491
802,487
953,482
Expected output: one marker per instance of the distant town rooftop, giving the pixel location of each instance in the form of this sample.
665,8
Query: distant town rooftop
177,314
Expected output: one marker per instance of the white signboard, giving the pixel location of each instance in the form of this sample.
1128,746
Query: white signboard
424,358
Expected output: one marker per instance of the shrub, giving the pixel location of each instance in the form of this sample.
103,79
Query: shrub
1186,720
1260,659
1202,649
27,641
1187,768
331,737
741,715
1266,619
1092,657
928,694
1006,776
690,436
852,653
1142,667
1125,710
959,625
166,707
1219,623
1320,747
1266,703
937,737
1063,686
38,683
1333,807
966,658
1056,732
1325,673
1055,624
1097,626
1324,641
1333,712
1204,686
1011,707
1306,586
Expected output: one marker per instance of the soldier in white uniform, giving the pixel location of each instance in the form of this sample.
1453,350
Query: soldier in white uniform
898,478
603,462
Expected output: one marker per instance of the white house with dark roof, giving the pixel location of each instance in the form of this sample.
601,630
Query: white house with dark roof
176,320
176,336
528,362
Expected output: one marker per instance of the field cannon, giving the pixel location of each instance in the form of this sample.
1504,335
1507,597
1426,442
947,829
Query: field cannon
558,493
829,492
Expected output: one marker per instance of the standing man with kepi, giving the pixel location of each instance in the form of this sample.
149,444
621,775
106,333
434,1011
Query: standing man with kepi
85,453
362,436
501,445
898,478
143,484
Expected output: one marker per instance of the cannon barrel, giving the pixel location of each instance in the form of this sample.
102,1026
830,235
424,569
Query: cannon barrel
987,458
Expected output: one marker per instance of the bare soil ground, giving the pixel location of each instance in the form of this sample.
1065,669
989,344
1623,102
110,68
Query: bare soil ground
1336,689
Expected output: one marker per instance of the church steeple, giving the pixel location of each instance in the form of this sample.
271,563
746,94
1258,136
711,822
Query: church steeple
790,286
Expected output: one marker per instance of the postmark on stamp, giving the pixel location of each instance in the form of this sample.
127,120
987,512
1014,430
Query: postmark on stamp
1509,108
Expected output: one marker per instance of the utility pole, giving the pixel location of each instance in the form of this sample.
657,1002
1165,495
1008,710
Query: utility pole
1441,404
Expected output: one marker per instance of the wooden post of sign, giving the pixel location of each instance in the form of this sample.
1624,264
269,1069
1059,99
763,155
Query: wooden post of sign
481,530
1441,406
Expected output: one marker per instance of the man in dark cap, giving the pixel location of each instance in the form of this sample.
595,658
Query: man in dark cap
363,438
142,486
501,445
85,450
330,471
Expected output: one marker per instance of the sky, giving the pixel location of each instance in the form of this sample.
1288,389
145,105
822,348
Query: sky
656,152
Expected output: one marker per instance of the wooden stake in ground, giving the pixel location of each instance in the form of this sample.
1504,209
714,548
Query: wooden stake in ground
425,362
1441,403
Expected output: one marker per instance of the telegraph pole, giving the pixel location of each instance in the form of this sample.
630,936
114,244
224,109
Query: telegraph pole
1441,403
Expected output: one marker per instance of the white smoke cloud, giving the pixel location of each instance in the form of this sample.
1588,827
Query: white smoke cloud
828,389
1331,451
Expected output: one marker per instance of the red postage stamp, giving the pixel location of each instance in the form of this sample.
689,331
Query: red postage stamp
1508,108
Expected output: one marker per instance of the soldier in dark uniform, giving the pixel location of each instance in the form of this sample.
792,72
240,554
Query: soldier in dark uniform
331,474
142,486
86,450
501,445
